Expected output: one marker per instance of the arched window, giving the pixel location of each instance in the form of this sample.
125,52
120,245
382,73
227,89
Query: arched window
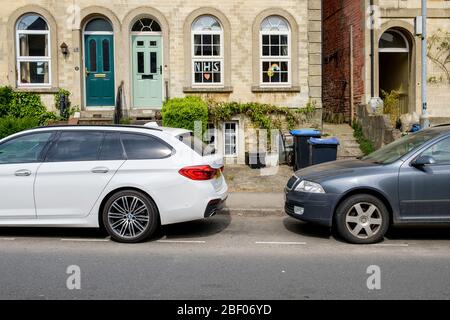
98,25
146,25
275,51
33,51
393,41
207,52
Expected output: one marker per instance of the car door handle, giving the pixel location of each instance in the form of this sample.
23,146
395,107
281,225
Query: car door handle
23,173
100,170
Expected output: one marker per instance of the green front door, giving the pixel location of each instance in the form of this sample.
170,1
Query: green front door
99,63
147,71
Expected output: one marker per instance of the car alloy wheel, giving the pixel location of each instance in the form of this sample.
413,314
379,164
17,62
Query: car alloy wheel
364,220
129,216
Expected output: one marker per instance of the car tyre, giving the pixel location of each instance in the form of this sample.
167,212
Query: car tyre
362,219
130,216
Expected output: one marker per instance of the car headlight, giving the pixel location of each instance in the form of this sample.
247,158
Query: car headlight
309,187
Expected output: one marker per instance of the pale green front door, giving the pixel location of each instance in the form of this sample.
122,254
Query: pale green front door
147,71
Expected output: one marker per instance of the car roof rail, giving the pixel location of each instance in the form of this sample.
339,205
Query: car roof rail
99,126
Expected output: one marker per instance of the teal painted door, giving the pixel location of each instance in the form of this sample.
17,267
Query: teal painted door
99,62
147,71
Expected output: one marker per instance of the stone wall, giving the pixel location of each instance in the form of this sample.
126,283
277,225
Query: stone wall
376,128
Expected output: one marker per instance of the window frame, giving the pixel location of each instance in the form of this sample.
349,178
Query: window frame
236,134
215,133
394,49
201,58
30,59
271,58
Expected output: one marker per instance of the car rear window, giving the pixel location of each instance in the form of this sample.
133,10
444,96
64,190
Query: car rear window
142,147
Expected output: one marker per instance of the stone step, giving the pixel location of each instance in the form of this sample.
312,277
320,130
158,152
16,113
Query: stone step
350,144
95,121
86,114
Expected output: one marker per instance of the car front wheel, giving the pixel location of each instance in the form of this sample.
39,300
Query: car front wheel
130,216
362,219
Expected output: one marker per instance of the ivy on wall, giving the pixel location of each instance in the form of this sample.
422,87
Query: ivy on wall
183,112
263,116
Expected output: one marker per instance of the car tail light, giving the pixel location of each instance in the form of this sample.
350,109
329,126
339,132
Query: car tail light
200,173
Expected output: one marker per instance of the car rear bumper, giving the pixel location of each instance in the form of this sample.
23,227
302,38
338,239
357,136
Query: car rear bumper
214,206
315,208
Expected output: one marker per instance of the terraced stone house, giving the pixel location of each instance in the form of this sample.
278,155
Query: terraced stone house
234,50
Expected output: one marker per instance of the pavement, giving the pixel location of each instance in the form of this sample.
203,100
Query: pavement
240,178
225,257
255,204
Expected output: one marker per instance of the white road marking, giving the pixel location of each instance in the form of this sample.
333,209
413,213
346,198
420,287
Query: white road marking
281,243
180,241
85,240
7,239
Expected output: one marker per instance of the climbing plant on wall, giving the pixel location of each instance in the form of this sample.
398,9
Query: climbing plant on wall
263,116
439,52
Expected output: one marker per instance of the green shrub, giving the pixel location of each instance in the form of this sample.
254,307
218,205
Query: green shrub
184,112
6,96
365,144
11,125
26,104
391,101
16,105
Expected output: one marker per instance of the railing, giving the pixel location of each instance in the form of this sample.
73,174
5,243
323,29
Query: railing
118,112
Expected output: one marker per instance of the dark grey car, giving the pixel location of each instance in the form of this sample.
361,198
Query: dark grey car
406,182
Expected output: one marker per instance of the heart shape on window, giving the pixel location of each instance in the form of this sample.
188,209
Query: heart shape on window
207,76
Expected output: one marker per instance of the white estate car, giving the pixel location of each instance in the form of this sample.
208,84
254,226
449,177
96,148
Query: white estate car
127,179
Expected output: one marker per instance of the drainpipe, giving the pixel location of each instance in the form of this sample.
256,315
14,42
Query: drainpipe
372,55
425,118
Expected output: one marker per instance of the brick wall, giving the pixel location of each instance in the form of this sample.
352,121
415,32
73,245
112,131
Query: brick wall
338,16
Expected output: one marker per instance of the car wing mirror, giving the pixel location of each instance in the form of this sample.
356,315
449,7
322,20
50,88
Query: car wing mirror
423,161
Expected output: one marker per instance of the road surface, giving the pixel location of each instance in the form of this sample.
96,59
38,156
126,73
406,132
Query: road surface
226,257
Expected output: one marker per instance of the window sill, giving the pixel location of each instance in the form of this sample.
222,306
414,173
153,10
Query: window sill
49,90
208,90
259,89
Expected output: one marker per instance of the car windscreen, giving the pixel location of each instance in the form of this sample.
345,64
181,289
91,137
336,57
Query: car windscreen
196,144
394,151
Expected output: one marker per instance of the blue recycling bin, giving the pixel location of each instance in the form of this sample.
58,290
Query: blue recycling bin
322,150
301,146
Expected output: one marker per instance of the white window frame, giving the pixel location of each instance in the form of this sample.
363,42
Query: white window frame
224,139
396,50
196,58
214,129
270,58
20,59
